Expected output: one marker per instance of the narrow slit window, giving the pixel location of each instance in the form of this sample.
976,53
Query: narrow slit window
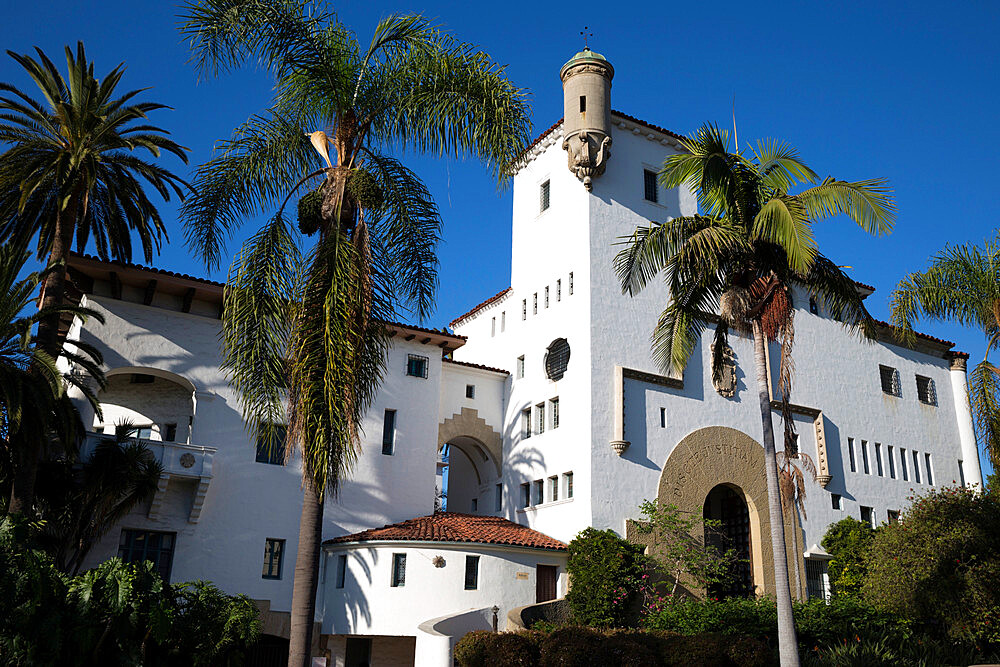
546,296
389,433
524,309
878,460
525,495
554,403
928,470
498,498
583,104
649,185
892,462
398,570
864,456
554,488
916,466
540,418
341,570
471,573
961,473
850,452
571,283
543,197
539,491
902,465
503,321
534,304
559,289
568,476
493,327
520,367
663,417
526,423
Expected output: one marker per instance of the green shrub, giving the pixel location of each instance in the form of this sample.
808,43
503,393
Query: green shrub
472,649
848,541
605,570
572,646
941,563
756,617
629,648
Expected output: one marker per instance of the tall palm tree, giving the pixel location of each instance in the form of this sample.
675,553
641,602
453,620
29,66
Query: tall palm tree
36,414
71,171
737,264
313,320
962,284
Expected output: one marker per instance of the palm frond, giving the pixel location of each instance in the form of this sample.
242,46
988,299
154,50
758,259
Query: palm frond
868,203
984,392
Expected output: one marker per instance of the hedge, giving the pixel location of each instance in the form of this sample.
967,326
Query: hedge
577,646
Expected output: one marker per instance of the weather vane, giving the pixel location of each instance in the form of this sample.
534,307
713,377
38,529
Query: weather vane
586,35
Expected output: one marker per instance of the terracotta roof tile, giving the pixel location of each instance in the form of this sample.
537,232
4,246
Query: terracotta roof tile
481,367
473,311
940,341
455,527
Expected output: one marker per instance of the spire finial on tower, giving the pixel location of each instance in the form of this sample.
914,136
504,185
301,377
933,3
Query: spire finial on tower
586,37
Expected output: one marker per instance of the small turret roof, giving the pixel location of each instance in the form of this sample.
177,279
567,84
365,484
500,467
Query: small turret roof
586,54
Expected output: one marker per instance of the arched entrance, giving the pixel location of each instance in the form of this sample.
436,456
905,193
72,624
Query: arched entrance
726,506
468,477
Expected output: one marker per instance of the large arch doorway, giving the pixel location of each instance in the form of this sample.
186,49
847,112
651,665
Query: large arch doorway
468,478
726,505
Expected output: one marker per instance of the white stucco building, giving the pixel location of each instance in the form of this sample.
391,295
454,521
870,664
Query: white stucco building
544,399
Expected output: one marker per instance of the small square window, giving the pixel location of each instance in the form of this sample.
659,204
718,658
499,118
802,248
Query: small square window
470,391
471,573
389,433
398,570
890,380
274,552
925,390
273,452
568,477
868,516
543,197
341,570
835,500
520,367
416,366
649,185
525,495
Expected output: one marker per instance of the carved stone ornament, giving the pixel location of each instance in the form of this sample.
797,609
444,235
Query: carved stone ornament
438,561
619,446
187,460
724,378
587,155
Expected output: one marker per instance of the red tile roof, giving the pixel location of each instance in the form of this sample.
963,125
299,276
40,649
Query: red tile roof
455,527
933,339
495,297
469,364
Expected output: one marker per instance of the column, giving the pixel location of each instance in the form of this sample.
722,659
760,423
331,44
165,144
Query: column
963,412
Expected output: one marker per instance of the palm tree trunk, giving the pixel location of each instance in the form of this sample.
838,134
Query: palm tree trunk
788,651
306,577
22,493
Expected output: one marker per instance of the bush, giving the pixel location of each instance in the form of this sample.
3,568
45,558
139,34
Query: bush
605,570
941,564
756,617
848,541
483,648
573,646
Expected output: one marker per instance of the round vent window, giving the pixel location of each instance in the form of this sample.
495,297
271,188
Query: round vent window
556,359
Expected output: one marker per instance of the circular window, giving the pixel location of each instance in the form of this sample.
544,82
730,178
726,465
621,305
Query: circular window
556,359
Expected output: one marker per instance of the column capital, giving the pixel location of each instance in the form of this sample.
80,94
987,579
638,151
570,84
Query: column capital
957,361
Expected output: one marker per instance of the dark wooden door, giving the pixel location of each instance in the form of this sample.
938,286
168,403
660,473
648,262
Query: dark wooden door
545,583
358,652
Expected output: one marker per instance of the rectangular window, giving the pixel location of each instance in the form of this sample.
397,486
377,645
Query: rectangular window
649,185
925,390
902,465
520,367
835,500
559,289
526,423
539,491
892,461
868,516
540,418
890,380
568,476
273,452
961,473
341,570
928,470
554,488
571,283
878,459
916,466
816,579
850,451
170,432
864,456
144,432
554,403
498,498
525,495
474,505
389,432
416,366
470,391
274,551
135,546
583,104
503,321
493,327
892,516
534,304
471,573
543,197
663,417
398,570
524,309
546,296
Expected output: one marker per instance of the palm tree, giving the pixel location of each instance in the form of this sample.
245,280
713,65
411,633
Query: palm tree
71,172
313,320
736,264
962,285
36,413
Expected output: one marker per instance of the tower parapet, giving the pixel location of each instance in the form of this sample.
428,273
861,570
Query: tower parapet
586,80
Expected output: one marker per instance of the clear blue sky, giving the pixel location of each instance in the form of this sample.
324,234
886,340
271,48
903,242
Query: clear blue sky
901,90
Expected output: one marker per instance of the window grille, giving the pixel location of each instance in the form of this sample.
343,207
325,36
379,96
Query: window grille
649,185
569,484
555,412
926,392
526,423
416,366
471,573
543,196
398,570
816,579
556,359
540,418
890,380
274,551
470,391
135,546
389,433
553,488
